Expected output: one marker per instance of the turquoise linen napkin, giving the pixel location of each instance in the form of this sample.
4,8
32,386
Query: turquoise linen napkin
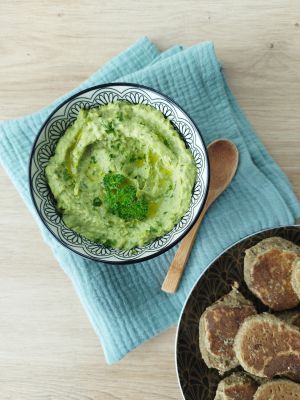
124,303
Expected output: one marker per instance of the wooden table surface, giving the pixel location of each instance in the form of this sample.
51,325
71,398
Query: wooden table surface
48,349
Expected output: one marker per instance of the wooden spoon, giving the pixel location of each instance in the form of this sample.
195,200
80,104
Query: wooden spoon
223,160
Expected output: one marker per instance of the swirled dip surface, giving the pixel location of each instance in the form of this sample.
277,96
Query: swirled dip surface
121,175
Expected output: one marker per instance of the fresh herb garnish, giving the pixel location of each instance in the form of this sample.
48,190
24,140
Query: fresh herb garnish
120,198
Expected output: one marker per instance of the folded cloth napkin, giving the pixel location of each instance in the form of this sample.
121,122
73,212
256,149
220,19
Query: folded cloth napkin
124,303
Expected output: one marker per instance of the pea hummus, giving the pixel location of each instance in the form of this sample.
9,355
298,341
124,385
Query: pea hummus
121,175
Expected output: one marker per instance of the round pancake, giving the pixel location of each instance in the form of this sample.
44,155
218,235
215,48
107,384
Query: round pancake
218,327
268,270
267,347
280,389
237,386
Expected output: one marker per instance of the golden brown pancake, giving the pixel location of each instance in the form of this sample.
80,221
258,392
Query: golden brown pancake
280,389
268,270
218,327
237,386
267,347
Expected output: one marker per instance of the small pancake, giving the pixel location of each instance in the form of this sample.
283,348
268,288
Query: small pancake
218,327
280,389
267,272
237,386
267,347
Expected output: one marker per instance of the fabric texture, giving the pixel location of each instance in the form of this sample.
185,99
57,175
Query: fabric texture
125,303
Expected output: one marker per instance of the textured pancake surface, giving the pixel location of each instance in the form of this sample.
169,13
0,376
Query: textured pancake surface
237,386
268,270
280,389
218,327
266,346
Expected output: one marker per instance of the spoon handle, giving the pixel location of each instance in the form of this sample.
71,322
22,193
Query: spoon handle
221,153
181,257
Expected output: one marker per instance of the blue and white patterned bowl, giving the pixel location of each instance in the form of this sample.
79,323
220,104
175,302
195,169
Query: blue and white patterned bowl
55,126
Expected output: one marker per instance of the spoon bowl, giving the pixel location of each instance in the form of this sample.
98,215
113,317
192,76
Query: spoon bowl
223,159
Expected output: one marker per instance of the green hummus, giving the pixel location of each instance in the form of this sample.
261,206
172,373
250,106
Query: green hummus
121,175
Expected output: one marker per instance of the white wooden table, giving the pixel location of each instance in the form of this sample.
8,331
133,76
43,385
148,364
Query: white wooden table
48,349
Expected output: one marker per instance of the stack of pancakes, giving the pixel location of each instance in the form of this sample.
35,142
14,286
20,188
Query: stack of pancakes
266,345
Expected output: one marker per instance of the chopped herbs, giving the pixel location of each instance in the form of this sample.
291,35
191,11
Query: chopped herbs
93,159
65,174
170,188
97,202
116,146
109,243
109,128
132,158
120,198
152,230
120,116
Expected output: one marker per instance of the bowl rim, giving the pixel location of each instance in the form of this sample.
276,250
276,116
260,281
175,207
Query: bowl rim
103,86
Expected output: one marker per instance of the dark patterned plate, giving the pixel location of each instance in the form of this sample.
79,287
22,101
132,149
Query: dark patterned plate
197,381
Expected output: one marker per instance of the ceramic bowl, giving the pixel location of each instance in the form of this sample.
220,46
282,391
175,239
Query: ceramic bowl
55,126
